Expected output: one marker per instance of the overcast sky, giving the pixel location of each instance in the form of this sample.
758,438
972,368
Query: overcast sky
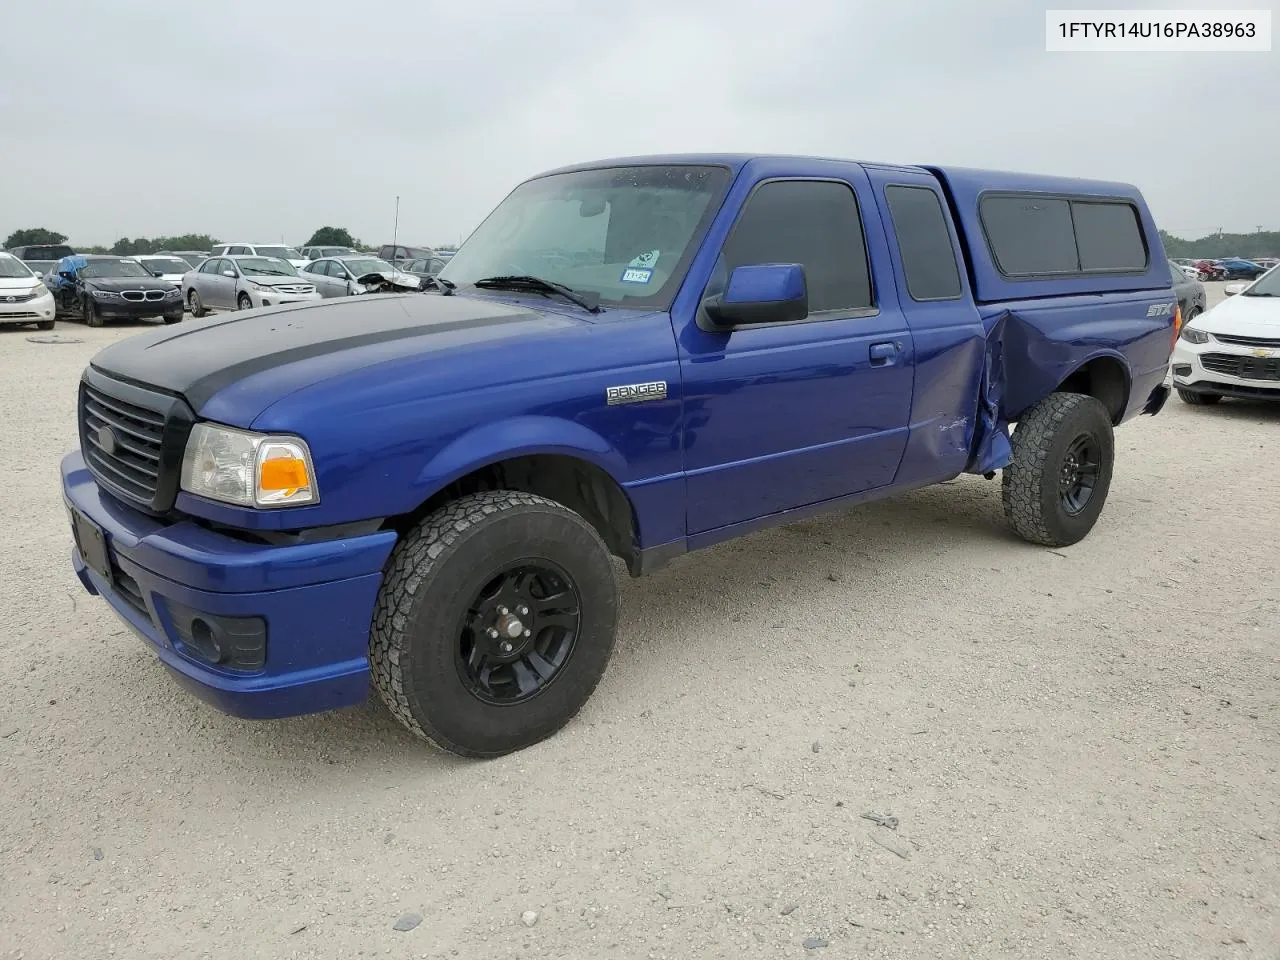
262,119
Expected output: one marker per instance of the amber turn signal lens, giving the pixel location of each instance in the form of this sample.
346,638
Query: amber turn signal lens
283,473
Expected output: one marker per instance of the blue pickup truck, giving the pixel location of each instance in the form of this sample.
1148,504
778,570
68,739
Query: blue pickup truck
424,493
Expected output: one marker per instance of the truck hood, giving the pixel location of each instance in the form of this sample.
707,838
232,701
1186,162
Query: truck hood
1242,316
230,368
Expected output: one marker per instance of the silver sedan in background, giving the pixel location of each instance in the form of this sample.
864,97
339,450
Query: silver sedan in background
341,276
243,283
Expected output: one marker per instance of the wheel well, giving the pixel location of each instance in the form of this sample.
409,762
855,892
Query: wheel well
581,486
1104,379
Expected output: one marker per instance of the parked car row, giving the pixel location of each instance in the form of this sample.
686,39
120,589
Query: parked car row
1227,268
1232,350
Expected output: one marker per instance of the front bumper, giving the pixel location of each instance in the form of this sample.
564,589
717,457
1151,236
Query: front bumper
314,600
274,298
138,310
27,311
1226,369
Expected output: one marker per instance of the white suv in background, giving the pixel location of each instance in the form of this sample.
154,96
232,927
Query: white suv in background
278,250
23,296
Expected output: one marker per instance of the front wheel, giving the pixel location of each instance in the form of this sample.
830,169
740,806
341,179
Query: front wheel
91,316
495,623
243,302
195,304
1056,485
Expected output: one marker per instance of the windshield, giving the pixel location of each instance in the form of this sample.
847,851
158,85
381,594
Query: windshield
624,233
12,269
1267,285
165,264
265,267
372,265
284,253
113,268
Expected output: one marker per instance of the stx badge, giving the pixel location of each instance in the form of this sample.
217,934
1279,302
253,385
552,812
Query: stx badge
636,392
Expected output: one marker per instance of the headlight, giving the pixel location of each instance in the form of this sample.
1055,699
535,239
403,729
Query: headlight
249,469
104,294
1192,335
263,287
39,290
175,292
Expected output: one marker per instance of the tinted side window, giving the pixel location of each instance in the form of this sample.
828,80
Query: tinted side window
1108,236
1030,235
809,222
924,243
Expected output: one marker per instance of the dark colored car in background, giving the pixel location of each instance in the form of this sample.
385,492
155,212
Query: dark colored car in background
1190,293
100,288
1238,269
42,251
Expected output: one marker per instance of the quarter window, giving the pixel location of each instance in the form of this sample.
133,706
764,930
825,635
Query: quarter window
924,243
811,222
1031,235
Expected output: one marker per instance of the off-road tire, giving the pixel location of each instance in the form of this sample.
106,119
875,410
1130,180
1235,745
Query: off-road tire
1198,399
432,577
1030,488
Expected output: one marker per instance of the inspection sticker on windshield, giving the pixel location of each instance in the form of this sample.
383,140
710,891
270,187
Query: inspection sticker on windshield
636,275
647,260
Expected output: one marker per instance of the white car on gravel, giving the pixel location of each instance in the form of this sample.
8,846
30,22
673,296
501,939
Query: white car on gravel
23,296
1233,349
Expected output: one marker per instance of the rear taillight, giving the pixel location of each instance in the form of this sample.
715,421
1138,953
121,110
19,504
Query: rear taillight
1177,325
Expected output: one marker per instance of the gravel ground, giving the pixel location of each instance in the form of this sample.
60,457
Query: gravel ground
1080,747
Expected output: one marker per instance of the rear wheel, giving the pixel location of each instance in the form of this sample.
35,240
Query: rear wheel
1198,399
495,623
91,316
1056,485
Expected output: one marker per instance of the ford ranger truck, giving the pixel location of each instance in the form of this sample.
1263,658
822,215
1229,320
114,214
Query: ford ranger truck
631,359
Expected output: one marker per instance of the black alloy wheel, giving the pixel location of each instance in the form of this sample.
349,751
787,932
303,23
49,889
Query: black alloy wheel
518,632
1078,475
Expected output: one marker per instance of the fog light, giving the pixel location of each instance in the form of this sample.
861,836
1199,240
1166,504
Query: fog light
234,643
1182,369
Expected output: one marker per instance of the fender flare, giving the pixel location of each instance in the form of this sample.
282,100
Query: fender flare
513,437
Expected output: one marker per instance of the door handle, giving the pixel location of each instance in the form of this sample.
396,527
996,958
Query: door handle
883,354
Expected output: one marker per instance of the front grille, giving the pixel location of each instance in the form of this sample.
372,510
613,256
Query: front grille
19,297
124,441
138,296
20,314
294,288
1247,341
132,439
1246,368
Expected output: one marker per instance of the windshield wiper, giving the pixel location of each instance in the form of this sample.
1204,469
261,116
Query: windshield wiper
591,303
1257,294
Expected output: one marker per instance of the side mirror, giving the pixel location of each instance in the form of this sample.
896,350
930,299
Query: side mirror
39,274
761,293
229,273
1231,289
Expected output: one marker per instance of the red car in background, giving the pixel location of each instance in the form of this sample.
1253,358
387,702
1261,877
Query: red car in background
1210,270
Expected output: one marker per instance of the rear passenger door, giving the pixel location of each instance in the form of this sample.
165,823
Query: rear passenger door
946,327
788,414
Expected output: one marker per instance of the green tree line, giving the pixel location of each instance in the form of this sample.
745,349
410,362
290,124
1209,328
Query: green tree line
1219,245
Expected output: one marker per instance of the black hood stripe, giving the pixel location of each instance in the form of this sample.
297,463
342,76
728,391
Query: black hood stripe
201,391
